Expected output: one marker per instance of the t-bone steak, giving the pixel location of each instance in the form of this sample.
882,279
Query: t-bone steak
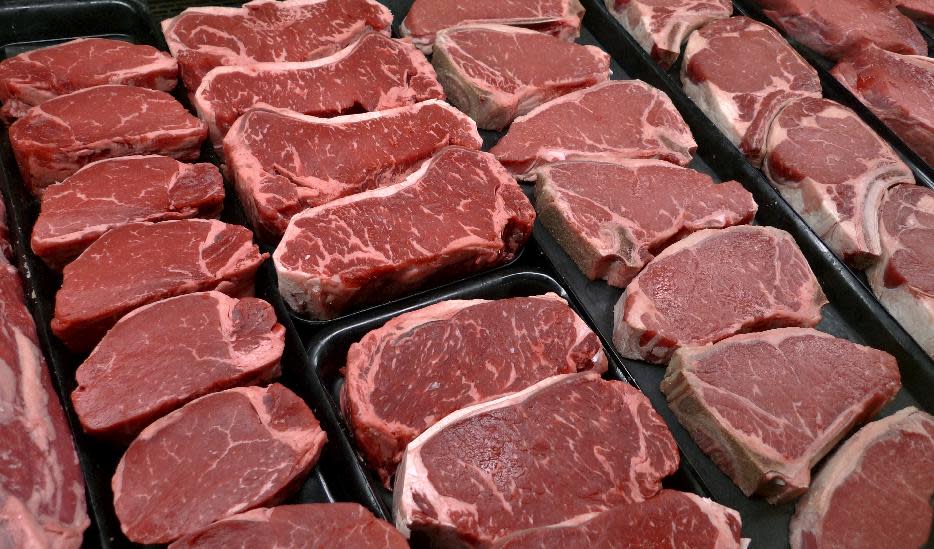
219,455
33,77
560,18
458,214
610,121
283,162
148,262
113,192
712,285
741,73
612,218
420,366
921,11
64,134
555,453
884,475
202,38
496,72
372,74
766,407
163,355
661,27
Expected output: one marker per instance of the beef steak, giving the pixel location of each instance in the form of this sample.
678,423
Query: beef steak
488,70
382,243
921,11
610,121
611,218
480,473
712,285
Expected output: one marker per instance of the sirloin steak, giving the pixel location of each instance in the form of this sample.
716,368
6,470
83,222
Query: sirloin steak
374,73
480,473
486,70
766,407
610,121
64,134
116,191
283,162
253,446
163,355
33,77
420,366
202,38
741,73
712,285
147,262
611,218
458,214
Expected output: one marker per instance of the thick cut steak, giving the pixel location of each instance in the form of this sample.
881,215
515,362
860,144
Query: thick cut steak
766,407
610,121
669,520
833,170
712,285
33,77
458,214
903,278
480,473
612,218
921,11
202,38
560,18
884,475
307,526
147,262
113,192
496,72
375,73
661,27
741,73
283,162
64,134
219,455
163,355
423,365
899,89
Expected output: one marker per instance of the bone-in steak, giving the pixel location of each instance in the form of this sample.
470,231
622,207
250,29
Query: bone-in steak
480,473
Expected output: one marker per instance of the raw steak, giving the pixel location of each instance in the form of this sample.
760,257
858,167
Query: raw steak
884,475
613,218
661,27
423,365
486,70
903,278
219,455
41,486
610,121
480,473
60,136
309,526
712,285
163,355
267,31
147,262
833,28
899,89
560,18
669,520
372,74
833,170
458,214
113,192
33,77
741,73
921,11
283,162
766,407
